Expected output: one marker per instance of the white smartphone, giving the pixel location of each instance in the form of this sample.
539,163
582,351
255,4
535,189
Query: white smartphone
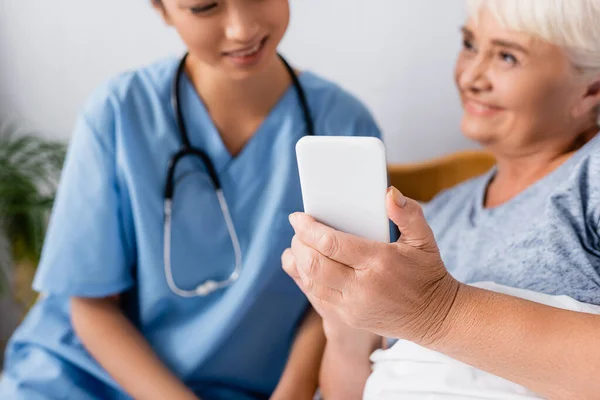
344,183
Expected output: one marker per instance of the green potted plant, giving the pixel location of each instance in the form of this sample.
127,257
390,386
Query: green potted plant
29,172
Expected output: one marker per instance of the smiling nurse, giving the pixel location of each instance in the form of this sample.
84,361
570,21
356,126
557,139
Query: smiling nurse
161,272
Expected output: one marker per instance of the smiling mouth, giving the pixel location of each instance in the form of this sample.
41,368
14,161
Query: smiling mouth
248,51
478,108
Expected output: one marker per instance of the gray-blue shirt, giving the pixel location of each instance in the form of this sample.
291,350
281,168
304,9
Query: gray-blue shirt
546,239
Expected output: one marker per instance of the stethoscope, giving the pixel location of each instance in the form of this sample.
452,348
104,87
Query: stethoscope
187,150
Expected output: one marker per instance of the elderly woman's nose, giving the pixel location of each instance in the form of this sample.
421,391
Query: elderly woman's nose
473,76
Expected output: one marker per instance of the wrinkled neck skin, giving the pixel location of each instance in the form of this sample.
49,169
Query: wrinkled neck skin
517,171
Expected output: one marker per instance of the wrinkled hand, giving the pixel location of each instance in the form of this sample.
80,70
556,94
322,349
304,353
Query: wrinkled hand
334,327
399,290
324,309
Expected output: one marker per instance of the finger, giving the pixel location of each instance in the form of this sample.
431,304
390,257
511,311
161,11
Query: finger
408,216
341,247
314,290
288,263
312,265
319,293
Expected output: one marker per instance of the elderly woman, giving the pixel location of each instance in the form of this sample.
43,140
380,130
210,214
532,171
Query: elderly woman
529,81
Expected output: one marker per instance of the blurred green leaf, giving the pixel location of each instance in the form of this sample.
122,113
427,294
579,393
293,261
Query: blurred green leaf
30,168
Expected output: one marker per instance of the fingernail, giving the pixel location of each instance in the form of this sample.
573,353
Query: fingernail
292,218
398,197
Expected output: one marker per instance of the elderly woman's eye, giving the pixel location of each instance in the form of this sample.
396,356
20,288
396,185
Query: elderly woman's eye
508,58
468,45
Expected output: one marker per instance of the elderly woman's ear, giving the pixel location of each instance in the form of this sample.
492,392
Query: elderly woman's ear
590,101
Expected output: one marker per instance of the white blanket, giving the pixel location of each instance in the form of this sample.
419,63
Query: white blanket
410,372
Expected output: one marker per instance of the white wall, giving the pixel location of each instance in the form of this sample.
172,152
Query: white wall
397,55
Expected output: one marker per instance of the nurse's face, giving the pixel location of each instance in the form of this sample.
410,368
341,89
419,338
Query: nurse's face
519,94
236,37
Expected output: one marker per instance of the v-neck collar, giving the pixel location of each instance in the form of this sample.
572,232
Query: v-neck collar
204,134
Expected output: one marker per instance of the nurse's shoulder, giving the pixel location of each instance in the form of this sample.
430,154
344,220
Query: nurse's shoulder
131,94
335,110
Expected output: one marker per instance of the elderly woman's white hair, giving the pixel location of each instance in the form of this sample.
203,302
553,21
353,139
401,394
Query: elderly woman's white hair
571,24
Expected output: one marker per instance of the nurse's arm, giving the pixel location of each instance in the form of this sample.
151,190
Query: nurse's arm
346,367
300,377
123,352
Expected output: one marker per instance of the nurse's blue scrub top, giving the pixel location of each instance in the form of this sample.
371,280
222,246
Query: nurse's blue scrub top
106,237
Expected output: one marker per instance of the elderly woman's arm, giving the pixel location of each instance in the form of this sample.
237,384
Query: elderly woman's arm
403,290
554,352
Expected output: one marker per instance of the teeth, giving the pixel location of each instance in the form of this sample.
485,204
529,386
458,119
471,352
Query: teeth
245,53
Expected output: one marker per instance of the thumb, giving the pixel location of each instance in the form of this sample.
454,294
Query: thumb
408,216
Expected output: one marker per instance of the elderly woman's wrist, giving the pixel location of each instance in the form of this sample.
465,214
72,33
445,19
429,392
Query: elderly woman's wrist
461,319
438,318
